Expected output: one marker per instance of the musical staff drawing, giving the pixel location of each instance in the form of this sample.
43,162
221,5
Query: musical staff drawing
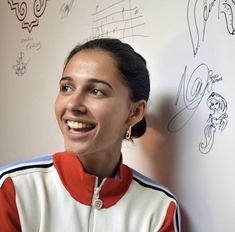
120,20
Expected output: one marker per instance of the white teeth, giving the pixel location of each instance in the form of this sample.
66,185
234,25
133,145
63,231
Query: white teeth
78,125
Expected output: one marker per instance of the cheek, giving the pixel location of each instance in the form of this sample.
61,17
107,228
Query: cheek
59,104
56,106
114,117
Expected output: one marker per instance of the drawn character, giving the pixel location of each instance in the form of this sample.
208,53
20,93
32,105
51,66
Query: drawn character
217,120
20,66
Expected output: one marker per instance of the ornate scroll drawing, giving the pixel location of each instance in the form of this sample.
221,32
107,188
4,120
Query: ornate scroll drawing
28,12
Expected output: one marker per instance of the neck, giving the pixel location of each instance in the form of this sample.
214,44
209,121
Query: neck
101,168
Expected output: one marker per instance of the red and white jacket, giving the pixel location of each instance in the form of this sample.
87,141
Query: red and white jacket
53,193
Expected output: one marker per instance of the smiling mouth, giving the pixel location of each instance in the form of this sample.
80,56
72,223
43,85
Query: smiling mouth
79,126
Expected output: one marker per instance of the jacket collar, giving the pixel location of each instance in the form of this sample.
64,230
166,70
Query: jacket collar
81,185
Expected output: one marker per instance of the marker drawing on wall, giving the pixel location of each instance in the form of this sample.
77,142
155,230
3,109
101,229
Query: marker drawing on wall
28,12
28,47
227,8
216,122
191,93
30,44
20,68
199,12
66,8
120,20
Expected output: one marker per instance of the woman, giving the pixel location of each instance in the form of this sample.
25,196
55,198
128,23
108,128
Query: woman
102,100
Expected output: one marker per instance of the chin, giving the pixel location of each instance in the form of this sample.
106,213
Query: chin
71,148
75,148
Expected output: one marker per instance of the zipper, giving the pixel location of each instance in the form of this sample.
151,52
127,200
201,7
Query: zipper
96,203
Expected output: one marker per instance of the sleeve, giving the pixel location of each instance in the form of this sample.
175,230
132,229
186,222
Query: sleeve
172,219
9,217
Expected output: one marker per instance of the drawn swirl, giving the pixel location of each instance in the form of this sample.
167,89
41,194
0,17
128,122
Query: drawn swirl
20,9
24,11
192,89
39,7
209,133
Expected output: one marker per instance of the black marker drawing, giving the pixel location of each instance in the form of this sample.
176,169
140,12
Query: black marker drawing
191,91
31,44
28,12
216,122
120,20
29,47
227,11
20,67
66,8
198,14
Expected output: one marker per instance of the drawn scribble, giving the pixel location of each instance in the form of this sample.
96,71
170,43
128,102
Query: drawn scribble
66,8
20,67
198,14
216,122
28,12
120,19
31,44
191,91
227,10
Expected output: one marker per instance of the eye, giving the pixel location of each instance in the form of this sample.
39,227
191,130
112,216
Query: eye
96,92
66,88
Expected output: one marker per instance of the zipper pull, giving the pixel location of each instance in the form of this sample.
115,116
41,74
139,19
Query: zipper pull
98,203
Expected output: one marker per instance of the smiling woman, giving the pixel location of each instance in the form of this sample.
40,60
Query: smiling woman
103,93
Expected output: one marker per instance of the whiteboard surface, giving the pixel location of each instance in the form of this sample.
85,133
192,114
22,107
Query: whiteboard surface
189,48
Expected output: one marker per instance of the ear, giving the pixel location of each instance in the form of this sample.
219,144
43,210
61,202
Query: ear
137,112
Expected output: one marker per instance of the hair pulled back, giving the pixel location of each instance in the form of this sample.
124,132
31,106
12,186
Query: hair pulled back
132,67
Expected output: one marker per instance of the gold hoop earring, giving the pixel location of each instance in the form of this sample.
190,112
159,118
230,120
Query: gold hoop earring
128,133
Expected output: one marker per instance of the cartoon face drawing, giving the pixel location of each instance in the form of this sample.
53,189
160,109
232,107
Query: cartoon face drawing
217,103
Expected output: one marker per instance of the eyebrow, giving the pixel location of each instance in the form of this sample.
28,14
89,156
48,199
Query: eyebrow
92,80
67,78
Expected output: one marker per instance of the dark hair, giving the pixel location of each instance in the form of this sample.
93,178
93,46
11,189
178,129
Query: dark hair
131,65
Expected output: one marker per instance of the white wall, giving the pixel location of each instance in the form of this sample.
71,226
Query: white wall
189,47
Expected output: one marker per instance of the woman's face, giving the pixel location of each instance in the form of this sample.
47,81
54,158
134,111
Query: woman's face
93,106
214,105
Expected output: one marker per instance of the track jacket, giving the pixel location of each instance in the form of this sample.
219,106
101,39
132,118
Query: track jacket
54,194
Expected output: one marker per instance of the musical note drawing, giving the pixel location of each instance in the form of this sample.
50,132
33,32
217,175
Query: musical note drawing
120,20
216,122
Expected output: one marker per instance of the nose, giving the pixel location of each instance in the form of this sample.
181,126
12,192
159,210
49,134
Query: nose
76,103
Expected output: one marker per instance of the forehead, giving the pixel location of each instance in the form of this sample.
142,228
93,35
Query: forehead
92,60
94,63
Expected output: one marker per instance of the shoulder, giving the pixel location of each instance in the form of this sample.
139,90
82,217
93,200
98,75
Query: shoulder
150,184
23,167
162,196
